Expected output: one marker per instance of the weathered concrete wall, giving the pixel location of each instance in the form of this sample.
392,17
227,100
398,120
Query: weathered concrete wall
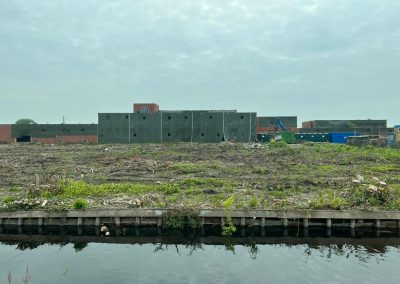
155,217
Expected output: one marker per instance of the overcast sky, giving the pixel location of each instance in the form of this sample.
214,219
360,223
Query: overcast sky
328,59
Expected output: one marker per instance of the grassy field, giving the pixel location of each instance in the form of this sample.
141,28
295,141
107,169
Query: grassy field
196,176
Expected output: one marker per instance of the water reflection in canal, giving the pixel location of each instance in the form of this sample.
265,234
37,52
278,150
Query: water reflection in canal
149,255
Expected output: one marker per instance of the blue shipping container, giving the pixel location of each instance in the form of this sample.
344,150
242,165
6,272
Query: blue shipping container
341,137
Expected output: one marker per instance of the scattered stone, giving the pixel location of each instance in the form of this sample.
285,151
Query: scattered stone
376,179
158,182
356,181
135,203
382,183
252,145
44,203
104,230
373,187
360,178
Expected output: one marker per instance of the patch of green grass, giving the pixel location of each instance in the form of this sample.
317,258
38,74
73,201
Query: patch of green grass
15,189
327,168
278,144
134,151
166,188
385,168
300,168
82,189
259,170
253,202
172,198
394,205
279,194
9,199
192,191
47,194
217,199
80,204
328,201
370,152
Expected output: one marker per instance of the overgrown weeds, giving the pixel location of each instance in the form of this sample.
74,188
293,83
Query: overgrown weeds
181,218
328,200
228,227
80,204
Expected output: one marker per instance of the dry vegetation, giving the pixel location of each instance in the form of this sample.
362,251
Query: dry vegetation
317,176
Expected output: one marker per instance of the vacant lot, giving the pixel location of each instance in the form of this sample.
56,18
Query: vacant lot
314,176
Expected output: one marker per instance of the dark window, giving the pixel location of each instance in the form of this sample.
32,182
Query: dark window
186,117
169,134
126,116
241,117
169,117
144,117
108,117
43,130
202,134
24,139
144,109
134,134
217,134
82,129
210,116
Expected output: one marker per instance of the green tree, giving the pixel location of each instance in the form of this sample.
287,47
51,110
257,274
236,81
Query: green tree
25,121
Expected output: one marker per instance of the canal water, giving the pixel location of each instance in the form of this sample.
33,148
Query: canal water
154,256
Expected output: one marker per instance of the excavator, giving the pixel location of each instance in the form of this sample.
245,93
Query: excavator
282,134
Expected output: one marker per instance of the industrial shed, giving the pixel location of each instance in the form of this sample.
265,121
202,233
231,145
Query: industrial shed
176,126
54,133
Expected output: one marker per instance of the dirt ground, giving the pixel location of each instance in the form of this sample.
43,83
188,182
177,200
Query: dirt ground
180,175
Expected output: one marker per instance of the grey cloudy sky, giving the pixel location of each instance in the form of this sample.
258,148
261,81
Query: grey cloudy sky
327,59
